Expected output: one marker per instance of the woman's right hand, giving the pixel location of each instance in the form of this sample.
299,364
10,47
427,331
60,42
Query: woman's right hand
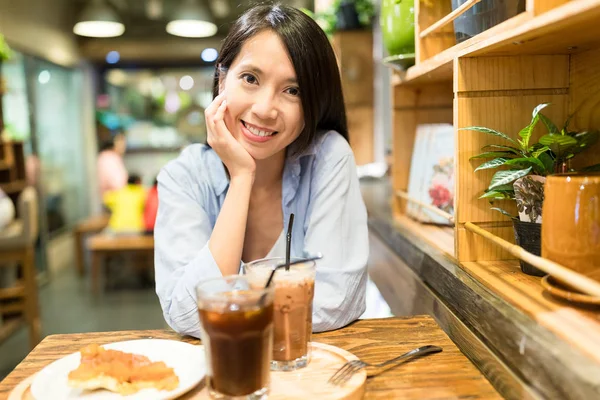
237,160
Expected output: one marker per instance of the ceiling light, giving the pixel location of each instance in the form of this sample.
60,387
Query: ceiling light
209,54
113,57
191,19
186,82
98,20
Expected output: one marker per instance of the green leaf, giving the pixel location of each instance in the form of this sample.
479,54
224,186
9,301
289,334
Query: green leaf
505,188
496,195
502,147
509,215
549,124
559,144
528,161
489,132
528,130
592,168
495,163
537,109
565,128
493,154
585,140
5,51
538,152
504,177
548,162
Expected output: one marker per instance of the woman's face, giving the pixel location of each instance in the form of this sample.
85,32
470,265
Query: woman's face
264,111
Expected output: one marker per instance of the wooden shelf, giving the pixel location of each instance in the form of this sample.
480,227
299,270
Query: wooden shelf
439,236
570,28
439,67
577,326
13,187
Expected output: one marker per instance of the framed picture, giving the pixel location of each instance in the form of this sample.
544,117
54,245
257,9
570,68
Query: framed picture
431,178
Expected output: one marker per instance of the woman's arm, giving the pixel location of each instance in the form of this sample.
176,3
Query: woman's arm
337,227
227,239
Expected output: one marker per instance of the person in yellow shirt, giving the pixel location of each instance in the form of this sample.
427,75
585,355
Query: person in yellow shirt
127,207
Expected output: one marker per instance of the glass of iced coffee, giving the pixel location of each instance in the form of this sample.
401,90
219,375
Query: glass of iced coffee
294,292
236,323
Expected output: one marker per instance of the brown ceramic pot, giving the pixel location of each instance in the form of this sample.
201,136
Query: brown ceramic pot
571,222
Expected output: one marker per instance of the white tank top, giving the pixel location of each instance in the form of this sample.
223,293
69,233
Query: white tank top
278,249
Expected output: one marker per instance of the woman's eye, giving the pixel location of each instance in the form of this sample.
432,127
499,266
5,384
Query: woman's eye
248,78
294,91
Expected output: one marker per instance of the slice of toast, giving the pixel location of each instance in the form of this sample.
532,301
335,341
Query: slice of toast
120,372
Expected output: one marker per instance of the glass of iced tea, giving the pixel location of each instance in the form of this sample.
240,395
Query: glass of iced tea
236,323
294,292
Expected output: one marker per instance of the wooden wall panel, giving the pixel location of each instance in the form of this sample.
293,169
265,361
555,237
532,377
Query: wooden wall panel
354,50
360,131
471,247
585,101
512,73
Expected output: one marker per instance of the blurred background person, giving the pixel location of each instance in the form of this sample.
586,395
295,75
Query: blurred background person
112,174
127,207
151,208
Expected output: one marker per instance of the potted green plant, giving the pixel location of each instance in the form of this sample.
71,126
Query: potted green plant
345,15
397,21
522,169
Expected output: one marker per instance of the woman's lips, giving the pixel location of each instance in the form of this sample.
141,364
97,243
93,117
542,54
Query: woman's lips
255,138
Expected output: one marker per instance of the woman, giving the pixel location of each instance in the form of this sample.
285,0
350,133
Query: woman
278,145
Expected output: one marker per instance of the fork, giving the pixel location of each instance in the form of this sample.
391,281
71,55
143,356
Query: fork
347,370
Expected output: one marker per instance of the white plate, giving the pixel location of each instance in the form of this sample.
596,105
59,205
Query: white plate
187,360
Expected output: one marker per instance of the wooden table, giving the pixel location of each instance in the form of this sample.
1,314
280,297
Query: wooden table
91,225
101,245
446,375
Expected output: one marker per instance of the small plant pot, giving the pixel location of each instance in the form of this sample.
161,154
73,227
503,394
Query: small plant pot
347,17
528,235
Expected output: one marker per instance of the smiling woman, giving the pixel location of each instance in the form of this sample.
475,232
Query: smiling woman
277,145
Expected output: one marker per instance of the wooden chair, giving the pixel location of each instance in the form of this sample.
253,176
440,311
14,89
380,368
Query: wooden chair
17,244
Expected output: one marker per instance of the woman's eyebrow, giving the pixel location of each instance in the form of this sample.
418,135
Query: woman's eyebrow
259,71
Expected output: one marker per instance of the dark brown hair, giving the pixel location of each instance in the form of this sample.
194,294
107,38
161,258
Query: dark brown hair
313,60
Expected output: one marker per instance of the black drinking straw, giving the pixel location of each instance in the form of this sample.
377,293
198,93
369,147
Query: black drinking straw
317,256
288,243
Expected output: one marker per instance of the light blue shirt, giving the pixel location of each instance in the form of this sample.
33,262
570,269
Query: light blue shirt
320,187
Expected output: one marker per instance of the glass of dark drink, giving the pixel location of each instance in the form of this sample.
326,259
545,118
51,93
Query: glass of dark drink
293,304
236,323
